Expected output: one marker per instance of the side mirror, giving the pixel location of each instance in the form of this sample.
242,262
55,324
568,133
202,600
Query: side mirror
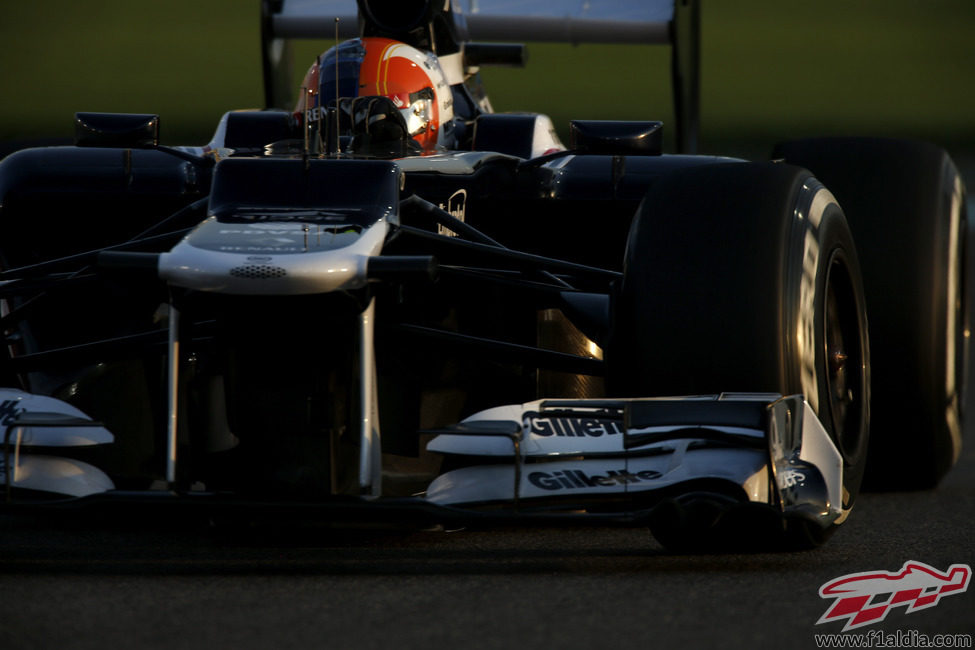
616,137
135,131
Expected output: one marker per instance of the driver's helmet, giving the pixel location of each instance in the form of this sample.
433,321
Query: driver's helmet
380,67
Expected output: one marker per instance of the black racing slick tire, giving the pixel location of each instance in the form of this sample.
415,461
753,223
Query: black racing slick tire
743,277
905,204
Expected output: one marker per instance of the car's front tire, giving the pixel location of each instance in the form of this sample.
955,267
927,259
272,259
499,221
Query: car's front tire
743,277
905,204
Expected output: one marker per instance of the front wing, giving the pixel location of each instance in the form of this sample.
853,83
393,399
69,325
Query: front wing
617,460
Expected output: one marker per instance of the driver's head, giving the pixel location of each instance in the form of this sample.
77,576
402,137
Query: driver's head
365,67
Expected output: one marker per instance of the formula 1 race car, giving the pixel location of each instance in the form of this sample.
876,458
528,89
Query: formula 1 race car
380,300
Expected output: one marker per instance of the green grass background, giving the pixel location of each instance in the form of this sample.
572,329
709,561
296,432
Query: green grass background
771,69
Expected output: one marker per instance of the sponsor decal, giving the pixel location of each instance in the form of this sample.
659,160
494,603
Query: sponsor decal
576,478
791,478
807,320
456,206
806,326
571,427
261,232
866,598
259,249
9,410
314,114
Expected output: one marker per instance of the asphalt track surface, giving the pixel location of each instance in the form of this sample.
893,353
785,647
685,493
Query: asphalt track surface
166,584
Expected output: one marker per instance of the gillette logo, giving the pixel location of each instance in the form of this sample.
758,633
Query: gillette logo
574,479
9,411
866,598
572,427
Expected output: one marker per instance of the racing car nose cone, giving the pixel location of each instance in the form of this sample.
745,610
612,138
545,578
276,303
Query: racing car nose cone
272,259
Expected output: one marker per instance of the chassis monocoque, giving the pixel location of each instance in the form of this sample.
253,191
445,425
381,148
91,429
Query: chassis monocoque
489,333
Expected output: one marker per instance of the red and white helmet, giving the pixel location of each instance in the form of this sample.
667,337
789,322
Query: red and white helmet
412,79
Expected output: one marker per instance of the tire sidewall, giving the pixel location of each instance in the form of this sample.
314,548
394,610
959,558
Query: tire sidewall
823,243
724,290
904,201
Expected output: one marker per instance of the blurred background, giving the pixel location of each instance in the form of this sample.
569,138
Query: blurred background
771,70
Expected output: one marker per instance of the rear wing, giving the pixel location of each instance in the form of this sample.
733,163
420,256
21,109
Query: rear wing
675,23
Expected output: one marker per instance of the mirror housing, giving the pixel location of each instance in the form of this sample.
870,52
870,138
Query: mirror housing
129,130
